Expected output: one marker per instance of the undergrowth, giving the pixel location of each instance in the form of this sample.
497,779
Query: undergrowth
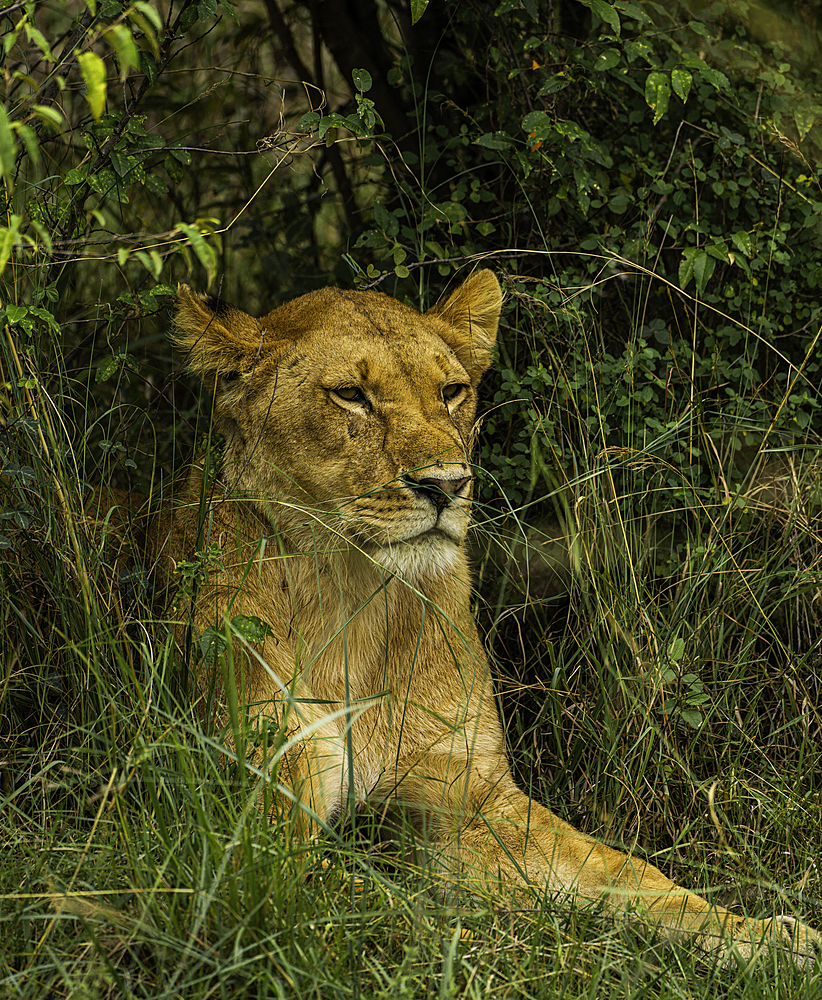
647,540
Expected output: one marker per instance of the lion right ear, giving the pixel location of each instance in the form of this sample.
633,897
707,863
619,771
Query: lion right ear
214,337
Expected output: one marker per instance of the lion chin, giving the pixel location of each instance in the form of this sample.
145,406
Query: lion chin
414,558
343,409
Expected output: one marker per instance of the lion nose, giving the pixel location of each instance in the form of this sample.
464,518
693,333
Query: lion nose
439,490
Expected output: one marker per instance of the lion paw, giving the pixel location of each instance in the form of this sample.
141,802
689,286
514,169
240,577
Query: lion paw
748,940
804,943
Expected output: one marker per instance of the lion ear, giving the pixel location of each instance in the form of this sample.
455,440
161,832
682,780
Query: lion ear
471,315
214,337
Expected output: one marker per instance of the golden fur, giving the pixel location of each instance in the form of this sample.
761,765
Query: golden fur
339,513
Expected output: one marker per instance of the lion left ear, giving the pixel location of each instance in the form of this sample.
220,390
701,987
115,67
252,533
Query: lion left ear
471,315
216,339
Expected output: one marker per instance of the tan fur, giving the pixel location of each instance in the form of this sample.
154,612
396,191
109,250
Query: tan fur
340,514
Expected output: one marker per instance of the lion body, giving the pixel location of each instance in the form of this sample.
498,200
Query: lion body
339,517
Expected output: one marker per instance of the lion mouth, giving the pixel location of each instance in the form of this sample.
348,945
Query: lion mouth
429,534
418,529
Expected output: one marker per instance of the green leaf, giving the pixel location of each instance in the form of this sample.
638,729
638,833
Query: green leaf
105,183
308,121
607,59
94,73
366,113
700,29
122,41
681,81
495,140
362,80
698,264
20,515
29,139
383,218
606,13
205,253
173,169
639,48
51,116
417,9
742,241
676,650
538,125
230,8
148,65
719,251
39,40
21,519
211,644
152,262
155,185
703,269
691,716
329,123
715,77
25,472
146,24
105,369
15,313
46,316
151,13
553,85
658,93
805,119
122,163
188,16
250,628
632,10
447,211
401,271
686,266
10,38
7,147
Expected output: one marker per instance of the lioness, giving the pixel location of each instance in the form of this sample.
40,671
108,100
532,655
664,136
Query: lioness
339,515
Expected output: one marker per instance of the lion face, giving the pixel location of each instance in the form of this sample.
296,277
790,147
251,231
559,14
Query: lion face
350,412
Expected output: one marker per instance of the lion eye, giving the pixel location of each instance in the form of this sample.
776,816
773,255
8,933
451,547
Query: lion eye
451,393
350,393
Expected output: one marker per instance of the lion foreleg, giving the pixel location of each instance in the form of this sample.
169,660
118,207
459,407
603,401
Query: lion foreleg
524,839
492,836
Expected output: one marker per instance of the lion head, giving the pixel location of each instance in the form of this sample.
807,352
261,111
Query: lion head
350,412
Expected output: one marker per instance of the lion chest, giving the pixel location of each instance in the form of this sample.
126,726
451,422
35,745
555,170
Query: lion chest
397,674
